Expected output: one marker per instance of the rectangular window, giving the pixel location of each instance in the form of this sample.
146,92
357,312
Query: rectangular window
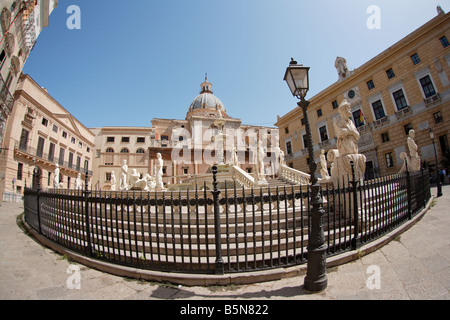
40,147
286,130
302,121
109,139
305,141
164,137
407,127
319,113
19,171
64,135
335,104
358,118
108,176
72,140
400,100
389,160
415,58
78,167
61,156
378,110
125,139
370,84
390,73
288,147
427,86
444,41
80,144
140,139
51,152
44,122
23,140
55,128
70,164
443,142
323,133
385,137
437,117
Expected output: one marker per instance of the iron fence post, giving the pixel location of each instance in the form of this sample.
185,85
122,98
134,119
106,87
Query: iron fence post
37,185
215,193
356,241
87,194
408,189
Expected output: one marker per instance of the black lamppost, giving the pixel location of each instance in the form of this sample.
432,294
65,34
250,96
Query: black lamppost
316,276
438,180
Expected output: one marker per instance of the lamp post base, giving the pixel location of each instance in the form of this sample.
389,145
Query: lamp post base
316,279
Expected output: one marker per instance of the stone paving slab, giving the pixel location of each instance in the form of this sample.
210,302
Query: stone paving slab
414,266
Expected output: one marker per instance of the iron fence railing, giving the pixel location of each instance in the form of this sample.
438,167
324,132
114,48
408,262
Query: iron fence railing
221,231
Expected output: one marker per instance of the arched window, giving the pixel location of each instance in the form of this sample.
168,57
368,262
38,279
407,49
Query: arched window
124,150
110,150
140,150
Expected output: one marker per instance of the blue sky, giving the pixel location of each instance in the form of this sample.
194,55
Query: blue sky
136,60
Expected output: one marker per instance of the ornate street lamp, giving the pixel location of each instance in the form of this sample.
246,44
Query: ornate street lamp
438,180
316,277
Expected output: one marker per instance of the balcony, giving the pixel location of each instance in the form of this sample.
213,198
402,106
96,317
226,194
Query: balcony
434,99
324,144
34,154
403,112
380,122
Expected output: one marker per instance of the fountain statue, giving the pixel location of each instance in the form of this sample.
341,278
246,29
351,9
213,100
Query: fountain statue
413,160
347,152
260,179
219,139
123,185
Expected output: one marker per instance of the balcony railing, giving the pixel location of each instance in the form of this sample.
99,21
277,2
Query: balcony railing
33,152
433,99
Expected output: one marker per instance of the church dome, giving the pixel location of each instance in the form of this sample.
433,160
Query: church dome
206,101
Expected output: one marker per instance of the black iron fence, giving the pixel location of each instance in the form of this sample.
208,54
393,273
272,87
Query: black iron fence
221,231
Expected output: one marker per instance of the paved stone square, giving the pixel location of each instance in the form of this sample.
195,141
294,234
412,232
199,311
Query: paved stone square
416,265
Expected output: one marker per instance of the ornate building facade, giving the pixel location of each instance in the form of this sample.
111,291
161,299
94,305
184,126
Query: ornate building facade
40,132
188,147
20,25
405,87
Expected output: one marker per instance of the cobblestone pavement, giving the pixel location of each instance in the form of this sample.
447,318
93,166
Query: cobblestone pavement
416,265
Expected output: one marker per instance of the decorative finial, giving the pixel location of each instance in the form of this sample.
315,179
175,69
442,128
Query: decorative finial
206,76
293,61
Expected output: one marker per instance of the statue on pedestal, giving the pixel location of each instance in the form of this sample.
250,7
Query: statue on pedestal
78,182
159,172
113,181
56,177
323,164
123,185
413,159
347,143
260,178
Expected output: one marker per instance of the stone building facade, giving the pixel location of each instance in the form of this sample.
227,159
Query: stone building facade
40,132
20,25
404,87
188,147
